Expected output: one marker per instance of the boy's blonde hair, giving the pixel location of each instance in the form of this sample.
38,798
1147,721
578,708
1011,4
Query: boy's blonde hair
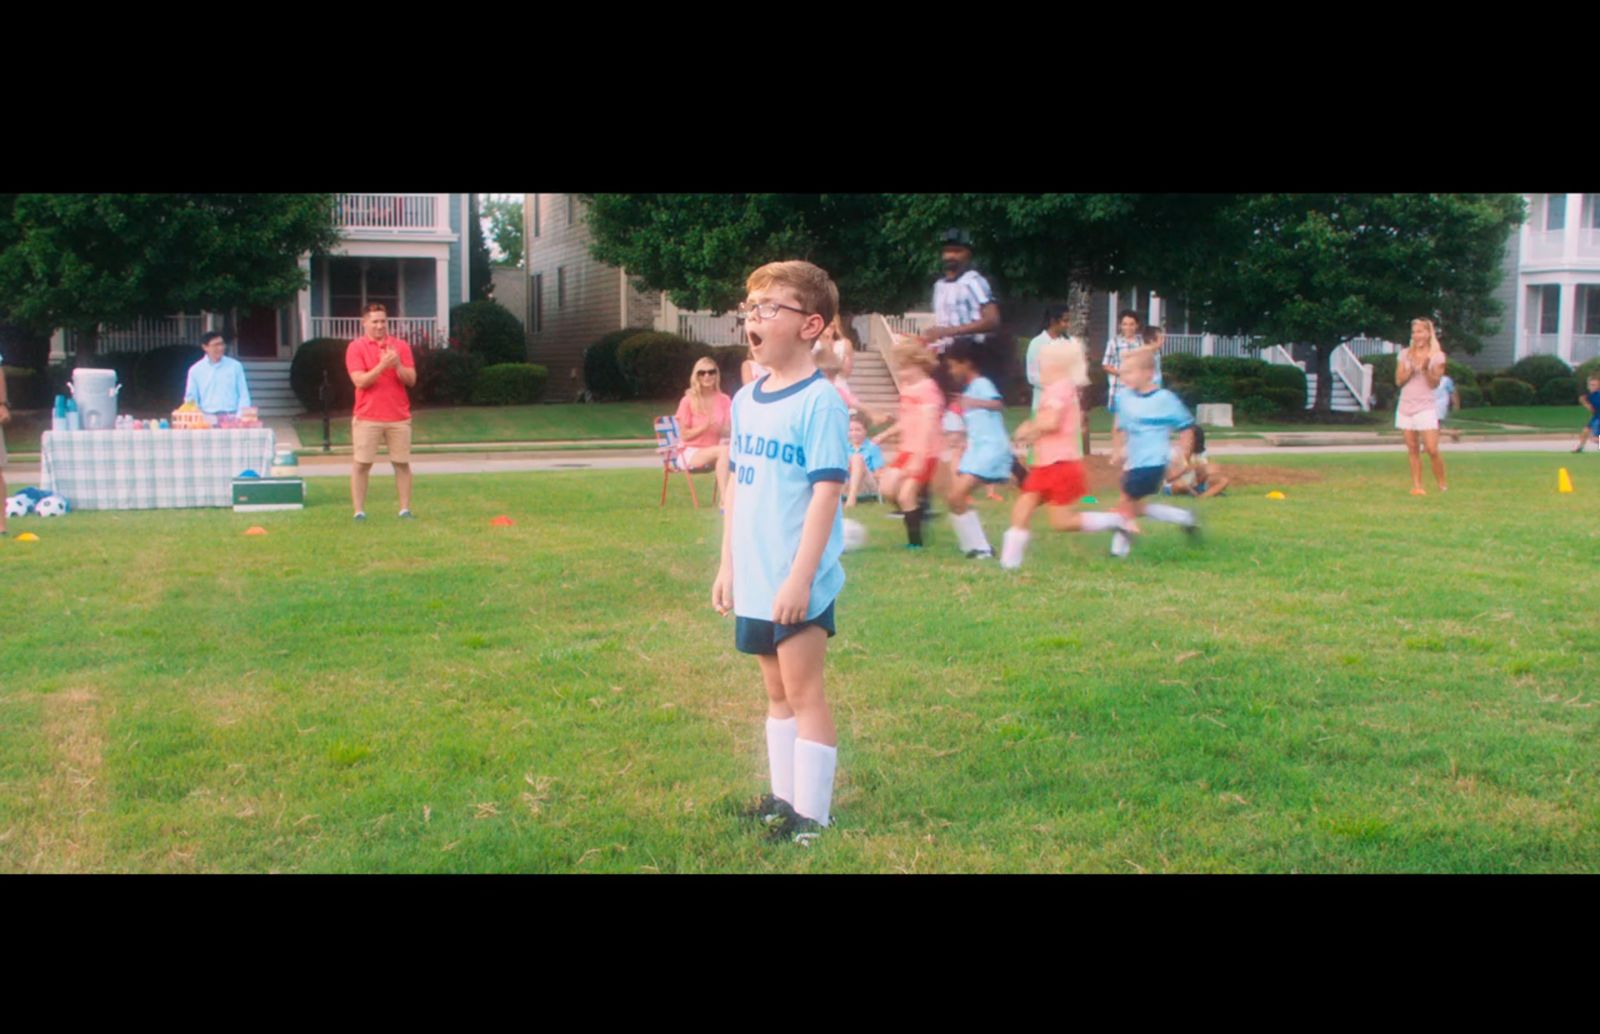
813,288
1144,358
910,351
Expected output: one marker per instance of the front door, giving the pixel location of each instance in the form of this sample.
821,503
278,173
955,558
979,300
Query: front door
258,334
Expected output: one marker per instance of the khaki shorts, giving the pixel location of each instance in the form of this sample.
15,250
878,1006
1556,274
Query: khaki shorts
366,435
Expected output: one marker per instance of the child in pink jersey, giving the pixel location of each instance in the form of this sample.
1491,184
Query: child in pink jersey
917,426
1057,477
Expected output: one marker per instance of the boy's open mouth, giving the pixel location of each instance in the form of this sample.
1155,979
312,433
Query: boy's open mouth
755,339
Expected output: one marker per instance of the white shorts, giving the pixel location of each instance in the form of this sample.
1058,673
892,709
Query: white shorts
1428,421
687,457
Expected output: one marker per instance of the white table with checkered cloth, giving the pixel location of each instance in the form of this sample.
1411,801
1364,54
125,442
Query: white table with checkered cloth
143,470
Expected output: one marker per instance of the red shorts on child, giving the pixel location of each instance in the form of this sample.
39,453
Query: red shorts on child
1061,484
922,476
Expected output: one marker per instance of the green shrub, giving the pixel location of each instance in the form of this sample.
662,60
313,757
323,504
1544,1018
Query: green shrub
1471,394
445,376
1179,366
1285,400
657,365
601,374
730,361
1384,389
1508,391
488,330
305,374
509,384
160,375
1537,370
1558,391
1213,388
1461,373
1255,409
1277,375
1585,371
1247,387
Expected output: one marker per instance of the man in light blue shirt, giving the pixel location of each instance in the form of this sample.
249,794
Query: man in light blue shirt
216,383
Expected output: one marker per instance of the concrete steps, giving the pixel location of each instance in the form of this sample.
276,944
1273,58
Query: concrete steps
872,384
269,387
1342,400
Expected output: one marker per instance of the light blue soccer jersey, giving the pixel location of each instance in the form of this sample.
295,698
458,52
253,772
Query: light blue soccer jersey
988,452
870,454
784,442
1149,420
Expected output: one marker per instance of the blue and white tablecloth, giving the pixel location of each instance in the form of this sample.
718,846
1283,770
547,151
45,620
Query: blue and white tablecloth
142,470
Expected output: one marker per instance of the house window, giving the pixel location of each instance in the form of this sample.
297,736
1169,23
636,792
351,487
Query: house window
1175,316
355,283
561,287
533,216
1555,212
1547,303
1588,309
536,304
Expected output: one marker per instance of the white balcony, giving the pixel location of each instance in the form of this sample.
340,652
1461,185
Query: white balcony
1584,348
392,215
1544,344
417,331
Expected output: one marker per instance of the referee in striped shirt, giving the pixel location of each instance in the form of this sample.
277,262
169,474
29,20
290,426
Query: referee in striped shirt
964,307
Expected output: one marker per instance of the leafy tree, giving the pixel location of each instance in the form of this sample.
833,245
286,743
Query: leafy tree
1319,269
479,278
505,227
79,260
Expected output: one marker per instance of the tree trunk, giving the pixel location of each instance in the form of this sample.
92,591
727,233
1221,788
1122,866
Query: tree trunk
88,344
1079,292
1324,403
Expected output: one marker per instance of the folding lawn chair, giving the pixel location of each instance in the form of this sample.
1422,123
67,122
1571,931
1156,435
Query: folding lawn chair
669,446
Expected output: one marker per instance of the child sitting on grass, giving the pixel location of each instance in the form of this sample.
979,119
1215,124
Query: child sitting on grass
1190,473
866,459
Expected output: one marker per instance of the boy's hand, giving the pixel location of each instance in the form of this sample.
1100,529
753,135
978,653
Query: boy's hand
789,606
722,591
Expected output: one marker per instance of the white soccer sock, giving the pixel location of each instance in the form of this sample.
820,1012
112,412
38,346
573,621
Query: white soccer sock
1096,520
969,531
1169,514
1121,543
1012,546
813,779
781,734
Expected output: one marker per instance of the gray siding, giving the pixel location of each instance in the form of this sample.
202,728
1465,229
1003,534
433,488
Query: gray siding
1499,350
593,293
458,250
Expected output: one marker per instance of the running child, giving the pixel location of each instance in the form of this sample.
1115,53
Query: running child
783,536
866,459
987,457
1146,417
1058,478
1592,402
917,426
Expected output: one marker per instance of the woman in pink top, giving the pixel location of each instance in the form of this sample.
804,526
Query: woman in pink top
1417,373
705,416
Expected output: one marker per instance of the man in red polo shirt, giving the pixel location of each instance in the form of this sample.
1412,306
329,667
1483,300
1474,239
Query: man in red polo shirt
382,369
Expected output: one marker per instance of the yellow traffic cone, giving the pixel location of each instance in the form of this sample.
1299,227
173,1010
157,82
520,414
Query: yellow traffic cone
1564,482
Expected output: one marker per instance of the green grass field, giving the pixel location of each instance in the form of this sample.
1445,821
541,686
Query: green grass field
1546,418
1349,680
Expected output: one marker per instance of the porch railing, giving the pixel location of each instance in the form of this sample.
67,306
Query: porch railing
142,335
1544,344
719,330
388,213
1364,346
1584,348
417,331
1357,375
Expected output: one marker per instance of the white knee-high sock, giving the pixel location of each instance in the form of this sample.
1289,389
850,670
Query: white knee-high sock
1169,514
1100,521
781,735
969,530
1012,546
814,765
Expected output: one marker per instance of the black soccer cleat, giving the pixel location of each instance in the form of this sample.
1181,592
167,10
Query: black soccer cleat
804,831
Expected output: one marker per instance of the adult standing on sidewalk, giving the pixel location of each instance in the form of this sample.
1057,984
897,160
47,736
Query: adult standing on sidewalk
382,369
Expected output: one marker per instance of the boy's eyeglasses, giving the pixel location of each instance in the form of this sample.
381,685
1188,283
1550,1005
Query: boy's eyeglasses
766,310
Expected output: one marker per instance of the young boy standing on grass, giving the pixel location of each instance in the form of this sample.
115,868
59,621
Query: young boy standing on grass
1146,417
1592,402
783,535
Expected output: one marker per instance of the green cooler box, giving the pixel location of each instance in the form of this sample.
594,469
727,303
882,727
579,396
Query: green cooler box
252,494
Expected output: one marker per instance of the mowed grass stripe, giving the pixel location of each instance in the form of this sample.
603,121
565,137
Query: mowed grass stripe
1349,680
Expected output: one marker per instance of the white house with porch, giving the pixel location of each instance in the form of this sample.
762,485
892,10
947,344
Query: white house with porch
1558,278
406,251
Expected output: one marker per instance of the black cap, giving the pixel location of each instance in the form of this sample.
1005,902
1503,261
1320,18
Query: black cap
956,238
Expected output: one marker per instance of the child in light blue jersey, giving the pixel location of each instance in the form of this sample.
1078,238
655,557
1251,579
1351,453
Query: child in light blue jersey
783,536
1146,417
987,458
866,459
